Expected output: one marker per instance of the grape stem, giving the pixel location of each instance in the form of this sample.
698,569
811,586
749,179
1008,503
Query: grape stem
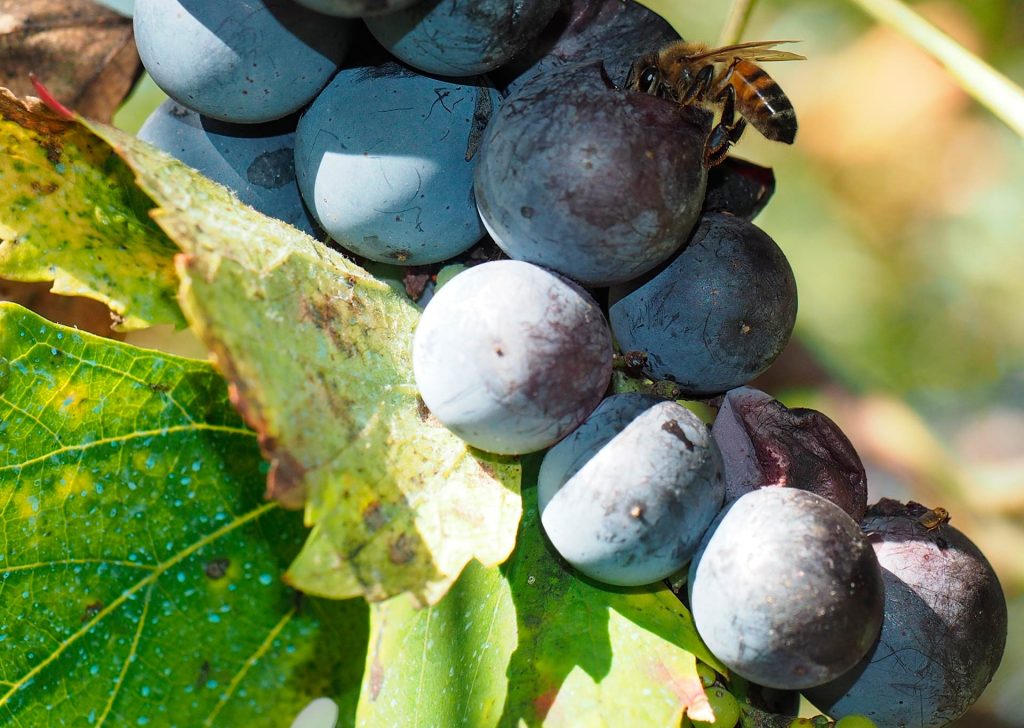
992,89
736,22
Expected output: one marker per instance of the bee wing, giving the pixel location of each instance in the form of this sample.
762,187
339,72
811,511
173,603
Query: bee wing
756,51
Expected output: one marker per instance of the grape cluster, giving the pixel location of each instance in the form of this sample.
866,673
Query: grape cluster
611,231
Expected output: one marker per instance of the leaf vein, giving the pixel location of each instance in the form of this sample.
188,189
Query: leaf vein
32,417
163,431
252,660
158,571
75,562
128,660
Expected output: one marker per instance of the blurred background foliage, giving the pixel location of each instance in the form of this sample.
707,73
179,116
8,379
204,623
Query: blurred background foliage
901,209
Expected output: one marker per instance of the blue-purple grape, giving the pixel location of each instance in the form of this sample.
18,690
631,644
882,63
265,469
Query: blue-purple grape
246,62
627,497
944,629
356,8
453,38
385,159
716,315
615,32
255,161
785,590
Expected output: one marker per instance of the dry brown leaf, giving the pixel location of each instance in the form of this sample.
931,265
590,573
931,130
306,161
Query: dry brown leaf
83,52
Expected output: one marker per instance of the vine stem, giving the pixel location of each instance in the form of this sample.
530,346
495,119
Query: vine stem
992,89
736,23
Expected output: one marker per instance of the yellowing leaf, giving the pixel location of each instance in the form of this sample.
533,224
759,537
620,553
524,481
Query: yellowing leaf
140,571
70,213
318,353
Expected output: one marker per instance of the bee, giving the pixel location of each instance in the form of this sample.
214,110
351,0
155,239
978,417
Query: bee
728,78
934,518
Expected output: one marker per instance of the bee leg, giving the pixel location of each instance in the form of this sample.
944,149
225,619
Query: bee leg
727,132
737,131
699,87
717,146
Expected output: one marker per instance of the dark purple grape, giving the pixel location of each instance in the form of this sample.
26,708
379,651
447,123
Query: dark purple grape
356,8
590,181
944,629
453,38
611,31
785,589
764,444
739,187
716,315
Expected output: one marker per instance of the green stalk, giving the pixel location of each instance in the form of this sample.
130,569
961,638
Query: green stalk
736,23
992,89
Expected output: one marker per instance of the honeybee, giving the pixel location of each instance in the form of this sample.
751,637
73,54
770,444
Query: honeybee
728,78
934,518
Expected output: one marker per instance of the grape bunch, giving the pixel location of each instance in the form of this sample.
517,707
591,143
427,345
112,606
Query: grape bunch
585,219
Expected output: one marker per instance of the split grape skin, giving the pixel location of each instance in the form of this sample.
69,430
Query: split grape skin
766,444
255,161
385,159
511,357
453,38
785,590
598,184
627,497
944,629
716,315
264,69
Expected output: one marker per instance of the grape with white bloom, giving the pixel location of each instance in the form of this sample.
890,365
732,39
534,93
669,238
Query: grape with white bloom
510,357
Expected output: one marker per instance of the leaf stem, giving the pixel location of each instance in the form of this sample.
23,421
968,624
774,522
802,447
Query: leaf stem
736,23
992,89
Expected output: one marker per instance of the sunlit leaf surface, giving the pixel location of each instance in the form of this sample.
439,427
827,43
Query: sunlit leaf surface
70,213
318,353
140,569
316,350
532,643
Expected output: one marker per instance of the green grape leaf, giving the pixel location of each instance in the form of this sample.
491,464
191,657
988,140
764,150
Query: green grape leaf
529,643
140,569
398,504
318,354
70,213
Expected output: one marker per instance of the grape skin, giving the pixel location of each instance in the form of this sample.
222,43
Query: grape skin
255,161
511,357
245,62
627,497
385,160
457,38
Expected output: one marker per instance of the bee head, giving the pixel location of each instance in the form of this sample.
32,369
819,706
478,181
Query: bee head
645,76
